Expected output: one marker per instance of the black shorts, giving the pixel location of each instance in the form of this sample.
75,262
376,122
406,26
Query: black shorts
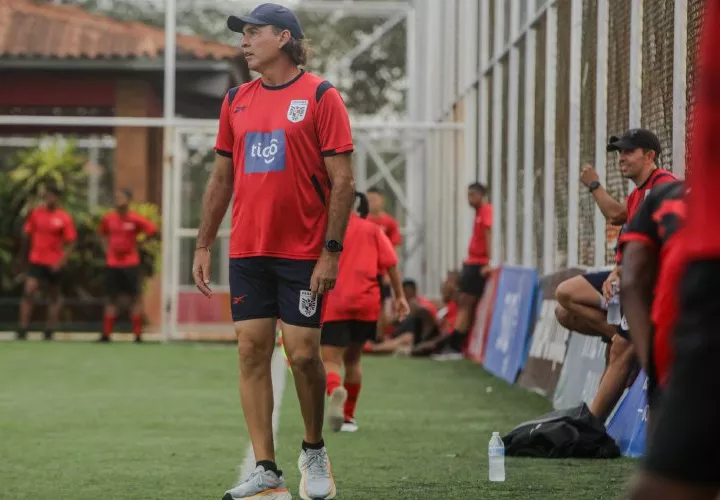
122,281
685,441
597,279
471,281
44,274
344,333
271,287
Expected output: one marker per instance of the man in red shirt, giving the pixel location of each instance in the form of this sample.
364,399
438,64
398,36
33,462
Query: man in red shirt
51,232
120,229
351,312
474,271
582,300
283,155
378,215
683,456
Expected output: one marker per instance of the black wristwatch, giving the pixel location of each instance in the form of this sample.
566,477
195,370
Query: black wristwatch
333,246
593,186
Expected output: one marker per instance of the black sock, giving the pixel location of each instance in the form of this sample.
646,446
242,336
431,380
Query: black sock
317,446
269,465
457,339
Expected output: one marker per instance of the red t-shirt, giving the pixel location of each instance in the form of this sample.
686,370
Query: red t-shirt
659,222
635,199
451,316
478,252
49,231
122,232
703,236
368,252
277,138
388,224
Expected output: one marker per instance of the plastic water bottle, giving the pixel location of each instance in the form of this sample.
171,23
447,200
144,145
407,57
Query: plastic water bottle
613,311
496,458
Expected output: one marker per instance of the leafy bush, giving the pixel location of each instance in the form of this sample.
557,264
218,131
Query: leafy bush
59,163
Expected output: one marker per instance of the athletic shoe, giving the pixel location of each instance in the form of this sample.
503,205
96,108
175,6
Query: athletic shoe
350,425
261,483
317,481
336,416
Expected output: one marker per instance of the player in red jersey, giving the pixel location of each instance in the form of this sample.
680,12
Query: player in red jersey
683,456
283,155
351,312
652,268
52,234
378,215
120,229
582,300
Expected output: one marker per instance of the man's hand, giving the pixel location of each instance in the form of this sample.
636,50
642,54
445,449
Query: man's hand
485,271
325,273
607,286
201,270
402,308
589,175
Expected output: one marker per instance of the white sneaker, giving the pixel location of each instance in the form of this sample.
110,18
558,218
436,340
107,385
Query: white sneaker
317,482
260,483
336,409
349,426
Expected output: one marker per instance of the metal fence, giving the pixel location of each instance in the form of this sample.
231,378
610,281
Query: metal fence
596,68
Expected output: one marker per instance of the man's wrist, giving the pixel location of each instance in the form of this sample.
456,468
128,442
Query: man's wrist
593,185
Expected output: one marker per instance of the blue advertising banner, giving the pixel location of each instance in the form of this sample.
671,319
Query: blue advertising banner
512,321
627,424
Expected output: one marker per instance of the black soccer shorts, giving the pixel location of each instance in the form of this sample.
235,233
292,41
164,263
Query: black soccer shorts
344,333
471,281
122,281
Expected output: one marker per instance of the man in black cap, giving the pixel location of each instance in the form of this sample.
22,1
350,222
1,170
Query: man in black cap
582,300
283,152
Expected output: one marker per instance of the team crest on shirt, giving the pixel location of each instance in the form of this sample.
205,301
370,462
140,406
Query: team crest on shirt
297,109
308,303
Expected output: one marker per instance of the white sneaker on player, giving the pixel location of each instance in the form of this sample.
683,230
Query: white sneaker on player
317,482
336,409
261,483
350,425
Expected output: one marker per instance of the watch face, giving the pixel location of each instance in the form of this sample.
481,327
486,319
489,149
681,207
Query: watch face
333,246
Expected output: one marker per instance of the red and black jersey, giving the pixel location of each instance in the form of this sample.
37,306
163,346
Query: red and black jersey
659,223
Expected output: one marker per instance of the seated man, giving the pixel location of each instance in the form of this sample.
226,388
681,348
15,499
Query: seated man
419,325
447,317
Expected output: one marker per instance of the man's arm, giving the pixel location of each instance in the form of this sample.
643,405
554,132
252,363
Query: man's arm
640,261
613,211
216,199
342,195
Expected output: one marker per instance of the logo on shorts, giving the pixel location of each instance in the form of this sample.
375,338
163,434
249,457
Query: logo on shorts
296,111
238,300
264,152
308,303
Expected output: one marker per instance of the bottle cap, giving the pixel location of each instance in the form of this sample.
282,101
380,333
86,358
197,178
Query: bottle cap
496,434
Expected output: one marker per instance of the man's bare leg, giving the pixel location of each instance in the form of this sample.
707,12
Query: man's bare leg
646,486
26,306
578,297
302,346
391,345
612,384
256,341
54,308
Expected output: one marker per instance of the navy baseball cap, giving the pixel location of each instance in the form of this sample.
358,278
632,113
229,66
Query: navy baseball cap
270,14
635,138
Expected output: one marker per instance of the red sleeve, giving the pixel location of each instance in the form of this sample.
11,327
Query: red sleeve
486,212
387,257
69,232
103,229
29,225
642,227
395,236
225,140
332,124
146,225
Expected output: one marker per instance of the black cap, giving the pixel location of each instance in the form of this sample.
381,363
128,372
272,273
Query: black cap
635,138
54,189
268,14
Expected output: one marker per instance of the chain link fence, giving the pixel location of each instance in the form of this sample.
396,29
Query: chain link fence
644,35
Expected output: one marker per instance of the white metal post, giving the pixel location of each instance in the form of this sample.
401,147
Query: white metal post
361,176
177,241
497,122
601,93
529,152
573,230
636,37
513,96
484,104
550,105
167,291
679,88
94,175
